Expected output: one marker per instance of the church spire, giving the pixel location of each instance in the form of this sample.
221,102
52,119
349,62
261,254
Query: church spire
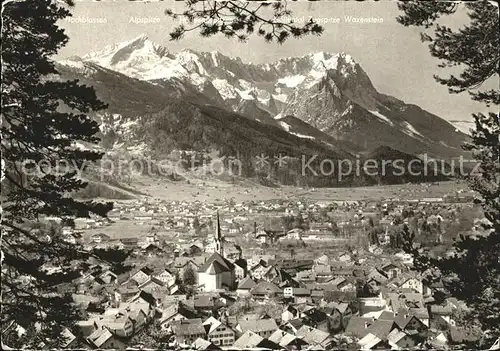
218,237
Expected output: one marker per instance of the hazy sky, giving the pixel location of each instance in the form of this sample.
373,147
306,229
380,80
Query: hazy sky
393,56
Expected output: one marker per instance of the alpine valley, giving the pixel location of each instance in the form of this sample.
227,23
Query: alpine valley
202,105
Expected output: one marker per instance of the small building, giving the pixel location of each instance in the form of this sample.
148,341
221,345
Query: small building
186,331
251,340
176,312
219,333
262,327
245,286
240,268
265,290
100,238
104,339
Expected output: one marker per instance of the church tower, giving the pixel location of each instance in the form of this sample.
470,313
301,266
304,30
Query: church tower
218,238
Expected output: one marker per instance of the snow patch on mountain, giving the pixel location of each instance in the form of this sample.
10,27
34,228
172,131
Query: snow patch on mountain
246,85
284,125
463,126
74,64
280,97
303,136
214,58
287,127
226,90
246,94
292,81
189,59
411,131
382,118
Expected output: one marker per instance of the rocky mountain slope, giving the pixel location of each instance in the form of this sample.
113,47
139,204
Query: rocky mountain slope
319,103
329,91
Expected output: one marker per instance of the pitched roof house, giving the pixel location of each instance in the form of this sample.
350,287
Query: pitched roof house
287,340
245,285
104,339
216,273
314,336
265,289
262,327
186,331
251,340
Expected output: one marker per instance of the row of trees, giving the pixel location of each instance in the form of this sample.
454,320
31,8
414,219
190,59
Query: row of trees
473,273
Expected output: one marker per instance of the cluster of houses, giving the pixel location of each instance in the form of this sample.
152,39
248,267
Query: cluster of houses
185,222
213,296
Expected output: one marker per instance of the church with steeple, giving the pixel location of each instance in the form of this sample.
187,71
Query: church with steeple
217,272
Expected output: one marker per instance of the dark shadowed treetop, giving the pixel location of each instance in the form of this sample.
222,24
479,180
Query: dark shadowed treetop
474,47
239,19
472,272
43,118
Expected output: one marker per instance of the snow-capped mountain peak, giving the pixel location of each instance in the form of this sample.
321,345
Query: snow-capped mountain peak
327,91
139,58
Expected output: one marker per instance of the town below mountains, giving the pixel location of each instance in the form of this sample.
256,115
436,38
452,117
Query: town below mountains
165,104
280,275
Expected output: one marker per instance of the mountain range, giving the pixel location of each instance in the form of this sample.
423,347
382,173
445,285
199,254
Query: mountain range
317,104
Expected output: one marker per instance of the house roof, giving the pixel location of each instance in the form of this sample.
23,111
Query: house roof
395,336
496,345
248,339
201,301
358,326
421,313
340,306
136,306
377,276
212,324
264,287
215,268
188,327
173,309
152,280
387,316
99,337
202,344
382,328
282,338
246,284
128,290
322,258
323,269
258,325
149,298
312,335
180,262
242,263
302,291
296,323
389,265
68,336
219,263
134,314
147,270
337,281
371,341
441,310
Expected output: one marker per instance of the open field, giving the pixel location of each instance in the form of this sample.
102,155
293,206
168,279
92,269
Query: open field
212,191
246,191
